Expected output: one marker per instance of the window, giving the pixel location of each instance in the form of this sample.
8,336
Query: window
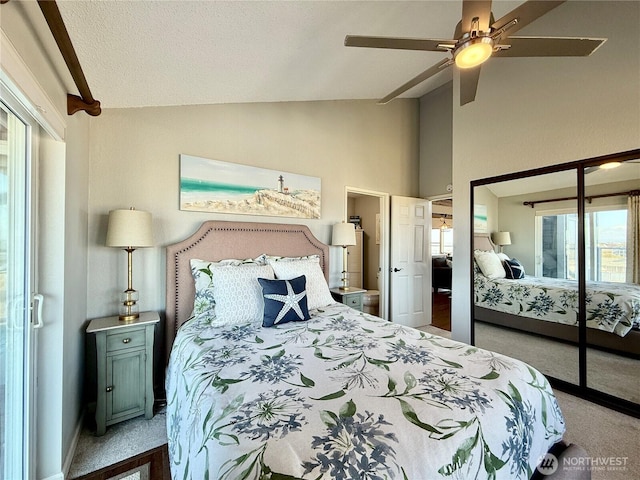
605,243
441,241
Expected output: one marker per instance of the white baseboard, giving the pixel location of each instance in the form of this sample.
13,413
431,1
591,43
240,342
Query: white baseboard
57,476
66,466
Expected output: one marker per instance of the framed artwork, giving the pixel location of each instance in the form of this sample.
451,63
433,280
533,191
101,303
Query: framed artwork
222,187
480,219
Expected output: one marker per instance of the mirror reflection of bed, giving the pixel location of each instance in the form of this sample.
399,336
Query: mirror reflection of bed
534,318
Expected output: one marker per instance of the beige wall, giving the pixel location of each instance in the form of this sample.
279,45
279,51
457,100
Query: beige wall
535,112
436,124
135,162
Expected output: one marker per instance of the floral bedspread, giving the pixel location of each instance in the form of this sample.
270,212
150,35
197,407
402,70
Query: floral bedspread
346,395
612,307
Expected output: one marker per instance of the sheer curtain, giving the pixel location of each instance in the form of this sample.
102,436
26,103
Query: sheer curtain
633,237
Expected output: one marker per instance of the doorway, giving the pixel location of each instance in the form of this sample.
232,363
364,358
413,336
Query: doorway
442,260
369,210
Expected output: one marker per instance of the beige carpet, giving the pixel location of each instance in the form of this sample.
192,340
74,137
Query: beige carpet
611,439
606,372
608,437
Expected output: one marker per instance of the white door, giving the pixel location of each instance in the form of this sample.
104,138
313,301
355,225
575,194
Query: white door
16,334
410,266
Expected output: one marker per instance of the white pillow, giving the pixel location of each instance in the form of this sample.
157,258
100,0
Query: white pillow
237,293
287,268
503,256
204,302
490,264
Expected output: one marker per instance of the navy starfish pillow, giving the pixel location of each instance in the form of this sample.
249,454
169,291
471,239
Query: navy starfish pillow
284,301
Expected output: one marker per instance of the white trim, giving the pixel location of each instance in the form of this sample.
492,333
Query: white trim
57,476
442,196
66,466
22,83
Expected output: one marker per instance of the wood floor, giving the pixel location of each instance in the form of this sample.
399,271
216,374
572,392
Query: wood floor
441,309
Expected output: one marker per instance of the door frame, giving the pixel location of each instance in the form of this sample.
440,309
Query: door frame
13,103
385,216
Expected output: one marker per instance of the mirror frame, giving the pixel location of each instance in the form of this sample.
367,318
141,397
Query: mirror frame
581,390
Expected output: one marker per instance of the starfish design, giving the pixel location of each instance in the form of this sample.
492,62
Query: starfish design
290,301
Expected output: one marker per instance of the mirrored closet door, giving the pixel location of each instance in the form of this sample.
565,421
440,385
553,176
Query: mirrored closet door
555,273
612,276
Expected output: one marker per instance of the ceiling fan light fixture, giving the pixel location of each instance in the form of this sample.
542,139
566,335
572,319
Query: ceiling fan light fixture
473,52
610,165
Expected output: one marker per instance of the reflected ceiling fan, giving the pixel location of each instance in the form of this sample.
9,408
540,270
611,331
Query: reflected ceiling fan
478,37
608,166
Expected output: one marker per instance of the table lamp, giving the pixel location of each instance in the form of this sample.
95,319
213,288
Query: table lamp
344,235
501,239
129,229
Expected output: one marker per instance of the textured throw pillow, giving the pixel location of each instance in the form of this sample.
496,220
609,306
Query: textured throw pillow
513,269
318,294
204,302
489,264
503,256
284,301
237,293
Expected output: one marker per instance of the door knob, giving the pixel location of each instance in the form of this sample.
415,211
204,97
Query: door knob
396,269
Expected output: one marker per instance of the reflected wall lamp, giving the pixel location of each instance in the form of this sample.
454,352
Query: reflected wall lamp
501,239
344,235
129,229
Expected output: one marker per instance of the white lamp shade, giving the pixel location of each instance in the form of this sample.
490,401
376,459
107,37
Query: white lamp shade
343,234
501,238
129,228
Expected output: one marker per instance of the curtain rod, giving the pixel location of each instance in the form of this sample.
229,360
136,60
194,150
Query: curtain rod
75,103
588,198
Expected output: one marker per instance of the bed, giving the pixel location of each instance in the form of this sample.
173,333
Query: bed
343,394
548,307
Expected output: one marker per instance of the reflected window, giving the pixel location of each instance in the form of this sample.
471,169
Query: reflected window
606,245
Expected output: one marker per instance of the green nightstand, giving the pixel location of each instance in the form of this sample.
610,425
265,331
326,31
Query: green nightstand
351,297
124,359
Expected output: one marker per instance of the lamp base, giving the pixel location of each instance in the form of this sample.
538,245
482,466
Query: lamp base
128,318
129,306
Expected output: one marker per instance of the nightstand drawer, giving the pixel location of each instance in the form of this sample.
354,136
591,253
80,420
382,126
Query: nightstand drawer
122,340
354,301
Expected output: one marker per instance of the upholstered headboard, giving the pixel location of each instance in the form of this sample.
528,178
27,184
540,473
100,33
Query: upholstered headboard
216,240
482,241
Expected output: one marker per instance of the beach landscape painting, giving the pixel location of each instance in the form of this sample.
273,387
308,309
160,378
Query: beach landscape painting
221,187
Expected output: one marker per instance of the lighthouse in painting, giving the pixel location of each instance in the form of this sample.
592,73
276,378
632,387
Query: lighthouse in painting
281,184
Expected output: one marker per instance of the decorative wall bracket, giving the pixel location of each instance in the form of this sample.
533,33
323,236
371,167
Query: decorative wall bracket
76,104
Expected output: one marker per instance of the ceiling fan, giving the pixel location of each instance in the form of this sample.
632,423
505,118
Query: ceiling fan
608,166
478,37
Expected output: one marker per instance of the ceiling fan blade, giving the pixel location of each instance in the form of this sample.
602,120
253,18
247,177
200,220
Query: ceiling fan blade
476,8
428,44
524,14
469,84
431,71
549,47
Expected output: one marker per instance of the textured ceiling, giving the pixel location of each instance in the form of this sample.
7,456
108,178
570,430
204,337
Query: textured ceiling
154,53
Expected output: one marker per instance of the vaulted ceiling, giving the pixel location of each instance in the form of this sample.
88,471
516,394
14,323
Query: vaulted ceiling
152,53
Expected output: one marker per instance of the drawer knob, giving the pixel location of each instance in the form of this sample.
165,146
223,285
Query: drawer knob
109,389
126,340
